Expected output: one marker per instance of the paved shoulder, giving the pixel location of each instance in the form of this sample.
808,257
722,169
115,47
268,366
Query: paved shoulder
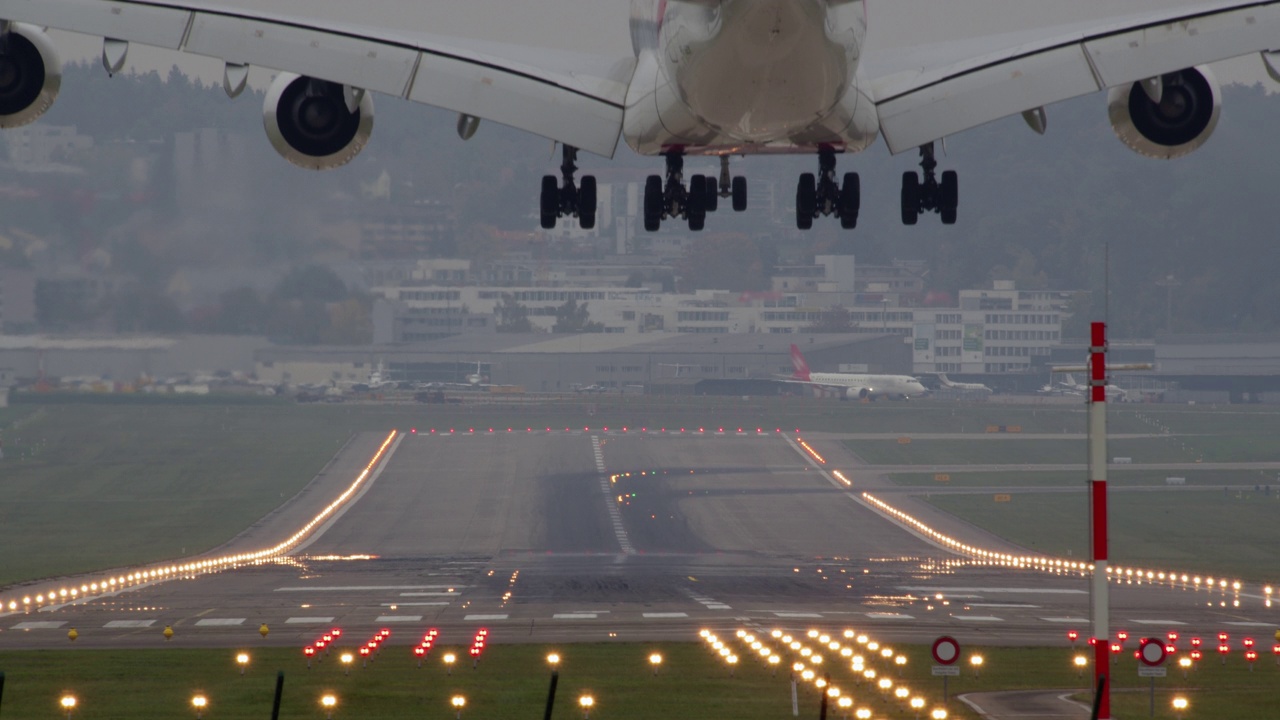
1016,704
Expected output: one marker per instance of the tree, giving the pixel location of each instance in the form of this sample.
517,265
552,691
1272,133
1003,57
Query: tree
574,318
512,316
311,282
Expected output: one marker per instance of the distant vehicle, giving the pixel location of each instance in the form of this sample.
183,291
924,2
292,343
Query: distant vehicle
592,388
854,386
1114,394
963,386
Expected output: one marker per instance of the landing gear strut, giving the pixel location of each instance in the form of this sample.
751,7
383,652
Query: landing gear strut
931,195
671,199
568,200
822,195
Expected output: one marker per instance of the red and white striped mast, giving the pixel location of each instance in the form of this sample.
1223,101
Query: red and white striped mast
1098,512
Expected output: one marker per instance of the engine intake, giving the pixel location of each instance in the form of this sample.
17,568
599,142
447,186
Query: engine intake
1181,122
308,121
30,75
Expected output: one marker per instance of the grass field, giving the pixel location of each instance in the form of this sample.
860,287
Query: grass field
1207,532
1032,479
512,681
1013,451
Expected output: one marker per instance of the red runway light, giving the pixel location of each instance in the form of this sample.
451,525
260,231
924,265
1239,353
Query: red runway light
1224,649
1072,635
1248,642
420,651
1173,636
413,431
336,632
308,651
1251,655
364,651
1122,635
1195,642
1195,655
1115,648
1222,637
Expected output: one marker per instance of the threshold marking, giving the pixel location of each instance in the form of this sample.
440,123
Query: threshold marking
219,622
797,615
364,588
414,604
398,618
129,624
1244,623
889,616
1065,619
978,618
661,615
948,591
309,620
1158,622
495,616
428,594
574,616
1003,605
39,625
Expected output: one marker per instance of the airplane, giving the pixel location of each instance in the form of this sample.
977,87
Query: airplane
695,78
962,386
1114,394
854,386
592,388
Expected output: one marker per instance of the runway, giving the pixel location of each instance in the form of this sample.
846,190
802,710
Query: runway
610,535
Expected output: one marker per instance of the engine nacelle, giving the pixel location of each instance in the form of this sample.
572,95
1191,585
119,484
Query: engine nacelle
308,121
30,75
1182,121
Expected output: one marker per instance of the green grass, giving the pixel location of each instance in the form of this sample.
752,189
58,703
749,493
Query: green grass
512,680
1032,479
1209,532
1015,451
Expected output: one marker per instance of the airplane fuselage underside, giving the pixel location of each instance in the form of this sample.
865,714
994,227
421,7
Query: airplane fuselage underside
718,78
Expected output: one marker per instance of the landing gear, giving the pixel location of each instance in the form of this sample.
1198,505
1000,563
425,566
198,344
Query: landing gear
568,200
671,199
932,195
822,195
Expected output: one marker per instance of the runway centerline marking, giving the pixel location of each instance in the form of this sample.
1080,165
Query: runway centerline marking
39,625
493,616
660,615
978,618
219,622
946,592
615,515
1065,619
398,618
309,620
574,616
1158,622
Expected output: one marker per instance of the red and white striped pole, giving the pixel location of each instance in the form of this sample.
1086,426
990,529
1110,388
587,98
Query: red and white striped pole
1098,510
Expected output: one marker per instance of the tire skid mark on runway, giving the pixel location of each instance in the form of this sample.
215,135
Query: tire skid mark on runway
615,515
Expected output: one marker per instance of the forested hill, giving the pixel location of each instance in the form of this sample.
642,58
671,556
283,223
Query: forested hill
1039,210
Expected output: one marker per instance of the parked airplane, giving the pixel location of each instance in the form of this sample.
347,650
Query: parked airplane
1069,384
962,386
854,385
698,77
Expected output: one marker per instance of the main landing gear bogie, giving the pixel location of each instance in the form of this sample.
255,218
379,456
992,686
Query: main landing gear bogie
820,194
672,199
568,200
932,194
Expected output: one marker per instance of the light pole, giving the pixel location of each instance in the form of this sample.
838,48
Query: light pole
1180,706
242,660
586,702
458,703
68,703
449,658
655,660
199,702
328,702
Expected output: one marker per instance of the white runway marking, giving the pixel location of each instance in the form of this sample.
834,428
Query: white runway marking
415,604
427,594
365,588
1004,605
1065,619
946,591
978,618
129,624
219,622
574,616
39,625
657,615
1242,623
309,620
717,606
496,616
615,515
889,616
1158,622
797,615
398,618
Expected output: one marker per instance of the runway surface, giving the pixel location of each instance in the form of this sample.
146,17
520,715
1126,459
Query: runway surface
562,536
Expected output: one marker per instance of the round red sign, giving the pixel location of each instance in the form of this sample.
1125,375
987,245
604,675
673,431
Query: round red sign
946,650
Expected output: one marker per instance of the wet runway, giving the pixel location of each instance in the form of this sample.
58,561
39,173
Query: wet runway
582,535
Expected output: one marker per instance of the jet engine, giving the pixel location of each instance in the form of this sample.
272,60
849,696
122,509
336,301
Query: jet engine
30,75
1167,119
316,124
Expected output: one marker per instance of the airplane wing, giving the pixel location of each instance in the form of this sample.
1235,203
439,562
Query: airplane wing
938,68
557,69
